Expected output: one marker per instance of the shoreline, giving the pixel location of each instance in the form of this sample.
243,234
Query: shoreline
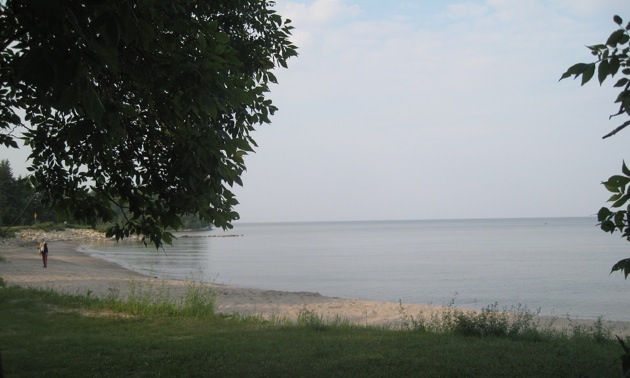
72,271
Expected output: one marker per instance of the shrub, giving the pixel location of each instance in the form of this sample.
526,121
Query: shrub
199,301
597,331
309,319
515,322
7,232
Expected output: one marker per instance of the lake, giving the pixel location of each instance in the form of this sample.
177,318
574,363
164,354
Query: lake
560,265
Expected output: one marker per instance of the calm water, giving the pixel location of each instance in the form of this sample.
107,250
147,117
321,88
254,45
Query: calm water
560,265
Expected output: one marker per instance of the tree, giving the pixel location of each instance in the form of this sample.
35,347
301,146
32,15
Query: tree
612,57
145,104
18,200
7,192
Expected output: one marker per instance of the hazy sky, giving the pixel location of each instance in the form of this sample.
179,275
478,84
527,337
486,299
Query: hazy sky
437,109
434,109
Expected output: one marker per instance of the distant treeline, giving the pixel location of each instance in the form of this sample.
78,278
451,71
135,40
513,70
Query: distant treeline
21,205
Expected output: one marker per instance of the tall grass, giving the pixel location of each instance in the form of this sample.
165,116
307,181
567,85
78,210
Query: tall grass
311,320
516,322
157,299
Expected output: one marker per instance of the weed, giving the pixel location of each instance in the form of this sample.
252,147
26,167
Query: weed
310,319
514,323
198,301
597,331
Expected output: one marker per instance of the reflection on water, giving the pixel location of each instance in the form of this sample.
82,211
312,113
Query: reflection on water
558,264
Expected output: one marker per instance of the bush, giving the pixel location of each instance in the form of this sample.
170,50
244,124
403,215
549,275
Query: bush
515,322
7,232
492,321
49,226
309,319
198,301
596,331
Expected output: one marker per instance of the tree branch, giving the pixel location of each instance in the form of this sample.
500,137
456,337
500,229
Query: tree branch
618,129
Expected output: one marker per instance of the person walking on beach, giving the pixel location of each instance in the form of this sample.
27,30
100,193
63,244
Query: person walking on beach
43,249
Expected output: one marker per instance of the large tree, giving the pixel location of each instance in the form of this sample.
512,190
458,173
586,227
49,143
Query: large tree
613,58
145,104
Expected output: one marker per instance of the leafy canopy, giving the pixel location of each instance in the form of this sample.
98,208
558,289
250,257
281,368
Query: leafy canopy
613,57
145,104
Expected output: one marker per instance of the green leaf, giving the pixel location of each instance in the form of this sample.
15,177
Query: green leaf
615,38
68,98
617,20
8,141
618,181
619,220
242,144
575,70
623,266
222,38
614,197
597,48
588,73
621,201
621,82
603,71
625,169
92,104
167,238
611,188
603,214
614,65
607,226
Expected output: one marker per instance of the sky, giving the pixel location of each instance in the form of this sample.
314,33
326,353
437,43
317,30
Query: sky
434,110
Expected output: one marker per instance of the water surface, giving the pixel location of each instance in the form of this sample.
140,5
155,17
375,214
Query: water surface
560,265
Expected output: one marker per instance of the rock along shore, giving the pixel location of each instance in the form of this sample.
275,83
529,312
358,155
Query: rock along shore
28,237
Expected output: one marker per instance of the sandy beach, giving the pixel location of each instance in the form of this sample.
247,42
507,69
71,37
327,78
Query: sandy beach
73,272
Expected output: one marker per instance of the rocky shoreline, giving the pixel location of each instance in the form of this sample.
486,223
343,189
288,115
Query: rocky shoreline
28,237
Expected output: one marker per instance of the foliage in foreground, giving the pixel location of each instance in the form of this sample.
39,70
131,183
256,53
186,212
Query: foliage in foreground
81,335
613,57
147,105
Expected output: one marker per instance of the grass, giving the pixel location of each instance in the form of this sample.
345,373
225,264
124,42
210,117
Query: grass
48,334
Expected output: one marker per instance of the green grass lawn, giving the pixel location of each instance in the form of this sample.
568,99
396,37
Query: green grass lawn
46,334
